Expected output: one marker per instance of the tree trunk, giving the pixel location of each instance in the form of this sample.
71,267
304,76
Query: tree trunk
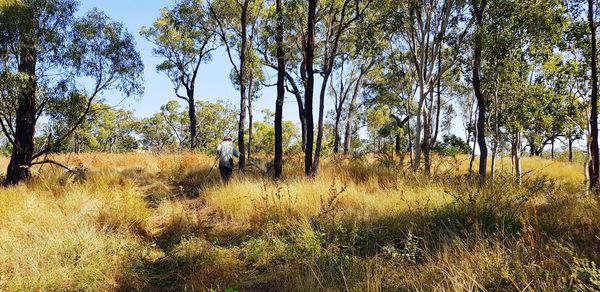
336,138
22,154
278,161
496,132
250,116
302,126
310,83
493,165
570,150
319,143
301,111
398,146
242,122
516,151
419,129
78,142
429,135
427,131
594,155
193,121
438,103
350,118
552,149
477,47
472,161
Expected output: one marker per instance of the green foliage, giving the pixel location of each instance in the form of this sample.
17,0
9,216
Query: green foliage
75,60
452,145
585,275
264,137
183,35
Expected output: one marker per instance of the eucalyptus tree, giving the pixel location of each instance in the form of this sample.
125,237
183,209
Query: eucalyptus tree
479,7
392,83
363,70
219,118
278,159
563,113
350,74
154,133
580,46
594,166
237,27
364,47
177,122
425,30
338,20
105,129
516,38
184,36
294,40
44,51
308,70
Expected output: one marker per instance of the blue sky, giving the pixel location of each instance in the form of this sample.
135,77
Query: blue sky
213,82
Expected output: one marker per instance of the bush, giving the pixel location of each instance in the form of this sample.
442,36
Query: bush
452,145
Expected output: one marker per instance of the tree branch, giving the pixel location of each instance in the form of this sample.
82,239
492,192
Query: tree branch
50,161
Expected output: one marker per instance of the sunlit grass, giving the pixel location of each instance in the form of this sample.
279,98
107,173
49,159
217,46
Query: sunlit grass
80,237
145,221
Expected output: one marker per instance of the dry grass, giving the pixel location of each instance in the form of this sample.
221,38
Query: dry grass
134,221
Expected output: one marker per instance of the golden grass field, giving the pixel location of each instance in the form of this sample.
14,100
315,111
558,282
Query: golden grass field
139,221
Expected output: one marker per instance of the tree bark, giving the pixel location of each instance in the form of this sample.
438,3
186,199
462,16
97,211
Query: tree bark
421,116
250,115
516,152
570,150
78,142
302,129
23,147
336,138
349,121
477,47
472,161
242,121
310,82
340,99
438,103
327,73
427,136
193,121
493,164
278,161
398,146
594,167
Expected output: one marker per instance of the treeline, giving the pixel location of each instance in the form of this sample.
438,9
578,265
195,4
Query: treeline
518,72
113,130
521,75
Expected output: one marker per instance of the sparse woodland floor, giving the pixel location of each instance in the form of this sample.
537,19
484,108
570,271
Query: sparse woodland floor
165,222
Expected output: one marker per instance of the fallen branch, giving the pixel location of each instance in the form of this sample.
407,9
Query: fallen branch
50,161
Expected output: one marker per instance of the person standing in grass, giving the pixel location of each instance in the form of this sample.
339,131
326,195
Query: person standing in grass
226,151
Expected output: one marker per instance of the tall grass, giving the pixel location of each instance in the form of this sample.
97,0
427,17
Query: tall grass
80,237
157,222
